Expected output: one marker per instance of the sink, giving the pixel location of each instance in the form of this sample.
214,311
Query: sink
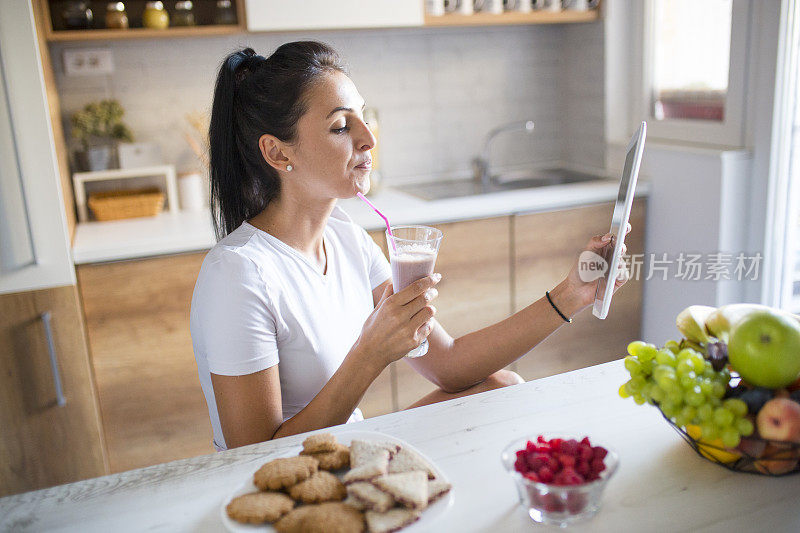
509,181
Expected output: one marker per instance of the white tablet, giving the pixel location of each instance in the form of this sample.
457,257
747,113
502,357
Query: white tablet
619,221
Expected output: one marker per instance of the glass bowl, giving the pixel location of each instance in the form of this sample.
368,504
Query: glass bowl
558,505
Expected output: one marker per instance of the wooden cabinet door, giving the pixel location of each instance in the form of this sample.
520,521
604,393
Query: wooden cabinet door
546,246
41,443
137,317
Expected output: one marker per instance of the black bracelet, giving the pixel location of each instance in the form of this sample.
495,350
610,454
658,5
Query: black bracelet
567,320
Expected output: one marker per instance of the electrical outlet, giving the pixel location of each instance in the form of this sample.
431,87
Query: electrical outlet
88,61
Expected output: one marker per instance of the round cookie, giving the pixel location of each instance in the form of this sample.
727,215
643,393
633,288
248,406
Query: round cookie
335,460
259,507
320,442
330,517
285,472
320,487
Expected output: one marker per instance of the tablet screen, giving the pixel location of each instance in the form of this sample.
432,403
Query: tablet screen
619,221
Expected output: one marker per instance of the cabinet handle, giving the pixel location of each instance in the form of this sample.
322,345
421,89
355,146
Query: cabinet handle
60,399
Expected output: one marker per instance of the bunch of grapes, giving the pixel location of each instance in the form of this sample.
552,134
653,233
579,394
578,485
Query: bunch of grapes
687,389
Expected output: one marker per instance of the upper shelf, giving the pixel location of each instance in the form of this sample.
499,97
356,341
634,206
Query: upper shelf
142,33
509,18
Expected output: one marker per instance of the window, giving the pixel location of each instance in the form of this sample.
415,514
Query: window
691,56
693,73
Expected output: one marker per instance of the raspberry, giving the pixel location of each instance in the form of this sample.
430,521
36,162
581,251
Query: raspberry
583,468
555,444
530,447
570,447
585,453
545,474
566,460
552,503
576,502
536,461
592,476
521,453
540,439
552,463
585,441
597,465
599,452
568,477
531,476
520,465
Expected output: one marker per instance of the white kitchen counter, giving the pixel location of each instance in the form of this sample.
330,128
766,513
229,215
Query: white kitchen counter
661,483
167,233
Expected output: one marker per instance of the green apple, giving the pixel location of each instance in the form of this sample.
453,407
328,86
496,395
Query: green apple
764,348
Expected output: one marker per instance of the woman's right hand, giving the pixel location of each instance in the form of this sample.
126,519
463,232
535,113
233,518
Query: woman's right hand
401,321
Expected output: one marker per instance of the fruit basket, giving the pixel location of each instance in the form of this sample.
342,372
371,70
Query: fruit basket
754,455
730,387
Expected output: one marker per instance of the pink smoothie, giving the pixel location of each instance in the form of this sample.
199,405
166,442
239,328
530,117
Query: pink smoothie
411,264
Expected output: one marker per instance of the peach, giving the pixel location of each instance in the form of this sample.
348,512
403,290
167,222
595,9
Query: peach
779,419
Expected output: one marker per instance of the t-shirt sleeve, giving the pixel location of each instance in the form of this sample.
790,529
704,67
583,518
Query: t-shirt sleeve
235,316
378,265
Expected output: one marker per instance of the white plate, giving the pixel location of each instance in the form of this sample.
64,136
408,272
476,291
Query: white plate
429,515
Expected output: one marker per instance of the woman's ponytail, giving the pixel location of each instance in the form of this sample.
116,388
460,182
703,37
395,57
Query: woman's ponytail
256,96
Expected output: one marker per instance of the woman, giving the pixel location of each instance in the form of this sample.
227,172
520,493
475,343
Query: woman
293,315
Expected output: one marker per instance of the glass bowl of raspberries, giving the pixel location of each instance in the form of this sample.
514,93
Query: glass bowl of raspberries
560,479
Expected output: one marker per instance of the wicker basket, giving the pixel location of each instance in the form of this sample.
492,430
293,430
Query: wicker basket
115,205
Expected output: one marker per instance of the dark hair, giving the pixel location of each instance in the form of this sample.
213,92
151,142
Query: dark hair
253,96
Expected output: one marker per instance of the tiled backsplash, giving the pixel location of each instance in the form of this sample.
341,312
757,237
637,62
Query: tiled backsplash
438,91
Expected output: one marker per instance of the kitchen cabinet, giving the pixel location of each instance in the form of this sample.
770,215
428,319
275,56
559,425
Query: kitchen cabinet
277,15
137,318
546,245
44,442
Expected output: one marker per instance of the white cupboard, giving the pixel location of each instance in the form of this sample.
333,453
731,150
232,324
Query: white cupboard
273,15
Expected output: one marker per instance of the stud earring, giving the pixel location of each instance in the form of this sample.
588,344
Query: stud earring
289,168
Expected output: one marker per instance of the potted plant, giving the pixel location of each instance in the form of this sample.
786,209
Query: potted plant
98,127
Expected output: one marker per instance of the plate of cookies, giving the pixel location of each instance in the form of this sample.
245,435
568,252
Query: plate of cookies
357,481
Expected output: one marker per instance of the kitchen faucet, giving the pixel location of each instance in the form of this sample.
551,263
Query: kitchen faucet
481,163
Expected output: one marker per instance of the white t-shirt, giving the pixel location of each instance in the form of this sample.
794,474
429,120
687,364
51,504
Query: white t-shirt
259,302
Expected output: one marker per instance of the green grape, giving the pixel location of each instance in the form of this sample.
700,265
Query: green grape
685,354
723,417
698,362
648,387
663,370
672,346
638,383
675,396
708,371
648,353
744,427
705,412
657,393
669,408
623,391
724,375
736,406
695,397
717,390
684,367
681,420
635,347
709,431
730,437
647,367
668,382
689,413
666,357
639,399
633,365
688,380
706,386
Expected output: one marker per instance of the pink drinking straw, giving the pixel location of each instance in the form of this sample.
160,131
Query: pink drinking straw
388,227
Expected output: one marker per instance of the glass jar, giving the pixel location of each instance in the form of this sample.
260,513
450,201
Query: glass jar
155,16
225,14
116,16
77,16
184,14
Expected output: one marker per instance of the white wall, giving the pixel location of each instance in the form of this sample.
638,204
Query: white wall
438,91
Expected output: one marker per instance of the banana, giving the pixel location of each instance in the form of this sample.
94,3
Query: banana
691,322
719,323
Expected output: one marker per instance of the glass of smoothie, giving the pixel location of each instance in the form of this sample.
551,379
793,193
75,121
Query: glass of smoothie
412,254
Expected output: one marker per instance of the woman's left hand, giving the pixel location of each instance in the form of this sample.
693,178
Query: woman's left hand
582,292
